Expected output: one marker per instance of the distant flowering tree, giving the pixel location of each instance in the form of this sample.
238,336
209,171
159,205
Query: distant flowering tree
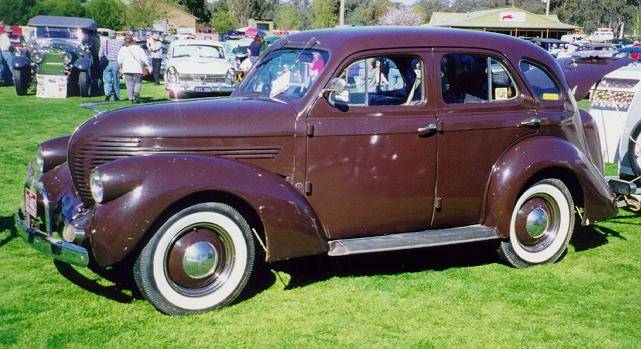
401,16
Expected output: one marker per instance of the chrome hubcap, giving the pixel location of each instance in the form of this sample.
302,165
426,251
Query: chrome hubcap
200,260
536,222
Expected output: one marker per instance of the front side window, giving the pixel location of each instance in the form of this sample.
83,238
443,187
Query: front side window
385,80
468,79
289,73
544,87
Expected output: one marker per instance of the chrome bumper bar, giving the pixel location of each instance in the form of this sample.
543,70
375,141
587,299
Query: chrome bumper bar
58,249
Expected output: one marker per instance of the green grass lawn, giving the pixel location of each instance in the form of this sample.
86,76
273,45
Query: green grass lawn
427,298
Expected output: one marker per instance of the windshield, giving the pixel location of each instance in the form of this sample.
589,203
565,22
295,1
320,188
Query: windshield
56,33
288,73
197,51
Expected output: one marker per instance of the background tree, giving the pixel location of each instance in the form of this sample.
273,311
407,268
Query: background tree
143,13
365,12
303,14
222,21
242,10
108,13
197,8
401,16
70,8
18,12
285,17
325,13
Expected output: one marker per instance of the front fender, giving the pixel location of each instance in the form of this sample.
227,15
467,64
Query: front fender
532,156
82,64
21,62
156,182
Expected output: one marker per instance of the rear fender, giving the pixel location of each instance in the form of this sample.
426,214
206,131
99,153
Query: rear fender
145,187
533,156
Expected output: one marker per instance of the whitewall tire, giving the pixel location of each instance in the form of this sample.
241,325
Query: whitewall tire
200,259
541,225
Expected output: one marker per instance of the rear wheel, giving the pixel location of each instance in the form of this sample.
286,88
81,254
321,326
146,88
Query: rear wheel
200,259
21,79
85,83
634,150
541,225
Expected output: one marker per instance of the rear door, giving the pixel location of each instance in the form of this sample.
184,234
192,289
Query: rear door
371,156
481,115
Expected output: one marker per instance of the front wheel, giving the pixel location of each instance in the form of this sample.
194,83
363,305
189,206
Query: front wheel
541,225
199,259
85,84
21,80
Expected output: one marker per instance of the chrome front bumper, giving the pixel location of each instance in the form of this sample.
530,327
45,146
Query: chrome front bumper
47,244
204,88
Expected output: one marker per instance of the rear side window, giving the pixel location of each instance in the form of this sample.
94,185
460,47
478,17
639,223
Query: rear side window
468,79
540,81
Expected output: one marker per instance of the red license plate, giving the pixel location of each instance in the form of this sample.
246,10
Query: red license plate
31,202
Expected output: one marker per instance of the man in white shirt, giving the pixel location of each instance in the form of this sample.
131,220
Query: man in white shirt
154,46
6,57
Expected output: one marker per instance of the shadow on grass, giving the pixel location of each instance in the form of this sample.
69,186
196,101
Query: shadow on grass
305,271
586,238
116,292
7,223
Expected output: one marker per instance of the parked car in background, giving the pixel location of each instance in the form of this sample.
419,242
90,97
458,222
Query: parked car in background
338,142
237,51
60,46
198,67
595,50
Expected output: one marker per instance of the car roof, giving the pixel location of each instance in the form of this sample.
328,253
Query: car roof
63,22
362,38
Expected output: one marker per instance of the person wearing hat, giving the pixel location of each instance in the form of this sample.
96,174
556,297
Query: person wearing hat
111,75
154,46
6,57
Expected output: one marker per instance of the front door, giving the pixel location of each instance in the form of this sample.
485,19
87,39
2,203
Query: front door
371,153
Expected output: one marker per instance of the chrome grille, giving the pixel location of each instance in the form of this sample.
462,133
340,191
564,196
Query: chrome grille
199,79
96,153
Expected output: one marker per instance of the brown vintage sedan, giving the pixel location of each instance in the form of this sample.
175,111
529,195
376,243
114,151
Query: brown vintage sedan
339,142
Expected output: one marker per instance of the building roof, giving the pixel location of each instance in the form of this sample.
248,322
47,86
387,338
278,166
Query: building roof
508,18
63,22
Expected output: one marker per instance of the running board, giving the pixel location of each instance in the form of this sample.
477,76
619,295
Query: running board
406,241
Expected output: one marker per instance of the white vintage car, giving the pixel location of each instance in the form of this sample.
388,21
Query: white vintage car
198,67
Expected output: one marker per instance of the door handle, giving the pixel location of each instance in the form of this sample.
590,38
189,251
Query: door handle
532,122
427,130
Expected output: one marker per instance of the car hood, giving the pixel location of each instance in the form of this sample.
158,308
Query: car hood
200,65
208,127
211,117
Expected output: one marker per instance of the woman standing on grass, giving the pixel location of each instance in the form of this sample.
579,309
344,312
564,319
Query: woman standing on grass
133,62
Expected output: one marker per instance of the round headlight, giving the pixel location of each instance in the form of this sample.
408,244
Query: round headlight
36,57
40,161
66,58
95,183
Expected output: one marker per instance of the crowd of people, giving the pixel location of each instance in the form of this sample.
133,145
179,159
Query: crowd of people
128,59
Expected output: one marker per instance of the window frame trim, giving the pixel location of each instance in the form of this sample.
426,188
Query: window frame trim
518,95
550,75
364,55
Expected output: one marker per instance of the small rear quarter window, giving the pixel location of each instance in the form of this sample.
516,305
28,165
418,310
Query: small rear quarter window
544,87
